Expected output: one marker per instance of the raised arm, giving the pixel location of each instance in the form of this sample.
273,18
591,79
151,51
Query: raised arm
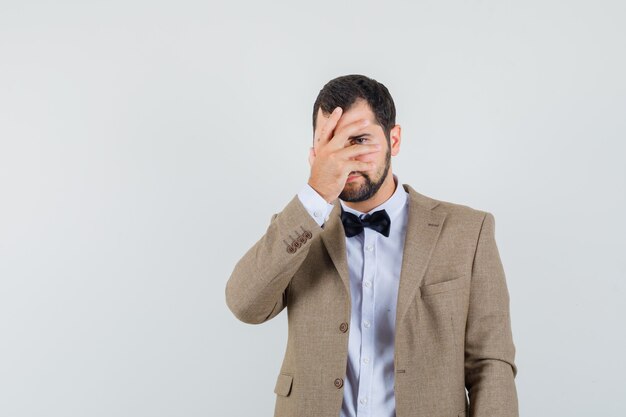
258,286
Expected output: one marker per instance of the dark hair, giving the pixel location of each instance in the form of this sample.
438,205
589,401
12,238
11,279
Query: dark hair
344,91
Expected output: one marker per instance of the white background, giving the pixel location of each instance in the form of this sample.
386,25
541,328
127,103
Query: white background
145,145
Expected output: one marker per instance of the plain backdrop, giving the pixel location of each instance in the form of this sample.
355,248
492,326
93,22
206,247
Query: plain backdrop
144,146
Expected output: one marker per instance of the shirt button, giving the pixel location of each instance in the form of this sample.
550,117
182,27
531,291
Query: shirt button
317,213
369,248
339,382
363,400
366,360
366,323
368,283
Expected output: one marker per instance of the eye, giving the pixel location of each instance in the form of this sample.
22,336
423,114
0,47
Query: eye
363,140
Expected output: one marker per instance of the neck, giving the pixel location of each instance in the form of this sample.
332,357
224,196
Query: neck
383,194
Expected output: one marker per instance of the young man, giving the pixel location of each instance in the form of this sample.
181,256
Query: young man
397,302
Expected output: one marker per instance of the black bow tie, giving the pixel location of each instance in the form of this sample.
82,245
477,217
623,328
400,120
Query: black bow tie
354,225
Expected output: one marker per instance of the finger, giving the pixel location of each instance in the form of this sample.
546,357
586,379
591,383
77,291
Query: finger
339,139
352,166
356,150
328,127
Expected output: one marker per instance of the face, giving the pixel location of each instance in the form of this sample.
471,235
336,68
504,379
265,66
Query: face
362,186
366,184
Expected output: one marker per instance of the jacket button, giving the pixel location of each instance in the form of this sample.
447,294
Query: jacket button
339,382
343,327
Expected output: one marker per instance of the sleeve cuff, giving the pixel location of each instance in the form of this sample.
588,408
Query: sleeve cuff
315,205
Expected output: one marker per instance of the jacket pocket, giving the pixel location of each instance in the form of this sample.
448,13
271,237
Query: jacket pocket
444,286
283,384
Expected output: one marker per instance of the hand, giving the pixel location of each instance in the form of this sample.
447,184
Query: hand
331,161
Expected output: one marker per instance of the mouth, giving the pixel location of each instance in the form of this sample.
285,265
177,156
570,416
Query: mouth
352,177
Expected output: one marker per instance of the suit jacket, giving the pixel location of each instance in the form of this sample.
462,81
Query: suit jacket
453,326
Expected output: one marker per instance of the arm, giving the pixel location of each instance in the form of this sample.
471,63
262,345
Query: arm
258,286
489,350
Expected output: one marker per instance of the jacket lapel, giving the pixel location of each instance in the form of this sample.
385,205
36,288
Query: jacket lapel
422,232
423,228
334,238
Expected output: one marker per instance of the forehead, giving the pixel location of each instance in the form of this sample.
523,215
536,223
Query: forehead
359,110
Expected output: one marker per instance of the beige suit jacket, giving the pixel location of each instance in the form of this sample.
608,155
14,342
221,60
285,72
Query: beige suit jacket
453,327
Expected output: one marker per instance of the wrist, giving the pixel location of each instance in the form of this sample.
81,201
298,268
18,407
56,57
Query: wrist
318,191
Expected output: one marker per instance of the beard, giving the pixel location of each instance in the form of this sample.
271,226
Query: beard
354,194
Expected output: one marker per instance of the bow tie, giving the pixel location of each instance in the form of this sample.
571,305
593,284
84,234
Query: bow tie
354,225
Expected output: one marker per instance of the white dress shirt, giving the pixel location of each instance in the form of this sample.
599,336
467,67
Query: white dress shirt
374,262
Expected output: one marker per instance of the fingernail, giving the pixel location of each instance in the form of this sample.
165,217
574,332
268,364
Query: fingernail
336,109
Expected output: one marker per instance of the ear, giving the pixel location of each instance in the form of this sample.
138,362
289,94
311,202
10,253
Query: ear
395,135
311,156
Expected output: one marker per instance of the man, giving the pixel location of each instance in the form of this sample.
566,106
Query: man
397,302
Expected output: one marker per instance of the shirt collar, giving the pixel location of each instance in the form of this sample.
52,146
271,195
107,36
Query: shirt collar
393,205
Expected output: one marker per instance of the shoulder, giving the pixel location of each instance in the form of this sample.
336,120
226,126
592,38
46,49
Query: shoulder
461,210
456,212
465,220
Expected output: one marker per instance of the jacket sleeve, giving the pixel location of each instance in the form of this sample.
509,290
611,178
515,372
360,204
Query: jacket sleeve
258,287
490,369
